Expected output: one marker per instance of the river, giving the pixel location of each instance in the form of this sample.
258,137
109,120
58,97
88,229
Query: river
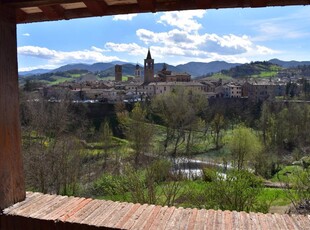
192,168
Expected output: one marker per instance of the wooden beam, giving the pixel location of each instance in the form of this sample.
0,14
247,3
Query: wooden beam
35,3
96,8
21,16
60,11
259,3
50,12
142,6
12,187
147,6
203,4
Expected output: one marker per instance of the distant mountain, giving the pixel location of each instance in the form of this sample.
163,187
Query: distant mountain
119,63
34,72
71,67
196,69
129,69
91,68
107,69
288,64
159,67
201,68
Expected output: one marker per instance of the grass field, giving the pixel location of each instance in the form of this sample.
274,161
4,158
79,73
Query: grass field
269,196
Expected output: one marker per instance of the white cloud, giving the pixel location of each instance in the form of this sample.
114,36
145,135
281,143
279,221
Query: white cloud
124,17
36,51
26,35
184,20
184,43
29,68
130,48
99,50
56,57
171,38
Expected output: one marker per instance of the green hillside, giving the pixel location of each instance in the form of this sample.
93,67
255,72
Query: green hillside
68,76
252,70
54,78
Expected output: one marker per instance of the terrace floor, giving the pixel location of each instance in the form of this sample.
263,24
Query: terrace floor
43,211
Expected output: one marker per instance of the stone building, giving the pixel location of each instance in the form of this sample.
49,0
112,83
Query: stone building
168,76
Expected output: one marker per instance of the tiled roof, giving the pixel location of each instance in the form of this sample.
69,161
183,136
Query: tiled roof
41,211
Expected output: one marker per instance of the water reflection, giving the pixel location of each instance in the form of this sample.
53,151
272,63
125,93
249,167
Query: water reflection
192,169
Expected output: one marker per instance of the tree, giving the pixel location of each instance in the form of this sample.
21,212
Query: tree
217,126
238,191
285,126
153,184
180,110
137,131
306,88
291,89
106,138
244,145
52,156
53,166
299,180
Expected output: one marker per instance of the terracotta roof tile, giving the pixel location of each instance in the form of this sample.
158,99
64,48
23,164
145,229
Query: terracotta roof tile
41,211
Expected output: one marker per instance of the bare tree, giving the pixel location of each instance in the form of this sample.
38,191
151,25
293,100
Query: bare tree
106,138
137,130
52,157
217,125
180,111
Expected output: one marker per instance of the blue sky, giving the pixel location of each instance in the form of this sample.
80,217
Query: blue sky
232,35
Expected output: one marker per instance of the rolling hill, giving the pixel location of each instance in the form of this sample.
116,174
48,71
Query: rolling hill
33,72
107,69
216,69
253,70
96,67
200,68
288,64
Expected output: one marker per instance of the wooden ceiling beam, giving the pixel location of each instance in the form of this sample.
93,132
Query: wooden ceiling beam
259,3
147,6
100,8
96,8
34,3
60,11
51,13
21,16
204,4
114,10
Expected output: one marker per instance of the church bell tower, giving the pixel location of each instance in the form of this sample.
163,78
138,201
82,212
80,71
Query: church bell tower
148,68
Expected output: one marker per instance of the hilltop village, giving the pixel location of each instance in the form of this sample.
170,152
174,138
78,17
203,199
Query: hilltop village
146,84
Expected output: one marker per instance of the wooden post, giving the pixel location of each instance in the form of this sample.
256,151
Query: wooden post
12,188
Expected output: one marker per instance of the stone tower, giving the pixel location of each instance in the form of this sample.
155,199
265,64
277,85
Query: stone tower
148,68
118,73
138,71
